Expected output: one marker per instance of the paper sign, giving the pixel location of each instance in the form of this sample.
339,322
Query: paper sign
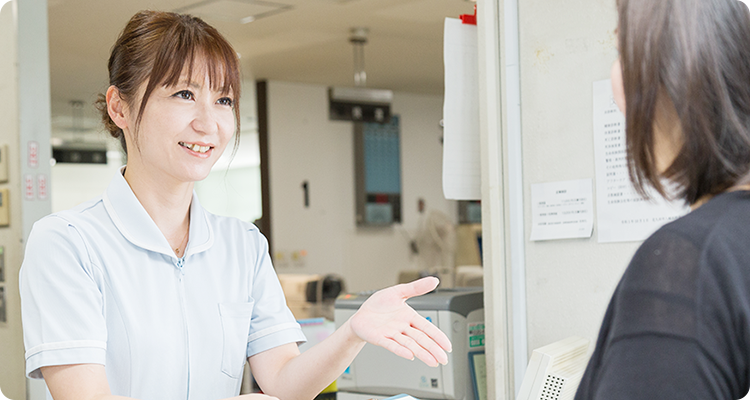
461,157
622,214
562,210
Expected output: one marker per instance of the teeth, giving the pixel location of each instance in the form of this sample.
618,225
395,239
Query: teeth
196,148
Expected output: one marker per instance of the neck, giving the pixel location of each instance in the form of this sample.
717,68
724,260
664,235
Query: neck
708,197
165,200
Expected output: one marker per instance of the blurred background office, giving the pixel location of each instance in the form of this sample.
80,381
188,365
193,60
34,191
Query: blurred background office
300,48
295,171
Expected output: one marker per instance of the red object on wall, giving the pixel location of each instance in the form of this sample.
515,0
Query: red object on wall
468,18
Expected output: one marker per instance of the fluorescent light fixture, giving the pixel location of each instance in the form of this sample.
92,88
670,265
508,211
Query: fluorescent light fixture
245,20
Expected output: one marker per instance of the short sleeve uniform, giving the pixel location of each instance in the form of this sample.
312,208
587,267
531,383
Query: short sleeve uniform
678,324
100,284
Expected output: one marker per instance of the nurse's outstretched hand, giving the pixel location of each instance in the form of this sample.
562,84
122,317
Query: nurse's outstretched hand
387,321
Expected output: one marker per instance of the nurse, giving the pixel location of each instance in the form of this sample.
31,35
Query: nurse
141,293
678,324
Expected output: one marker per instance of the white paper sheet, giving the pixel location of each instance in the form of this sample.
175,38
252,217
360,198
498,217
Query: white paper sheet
461,163
622,214
562,210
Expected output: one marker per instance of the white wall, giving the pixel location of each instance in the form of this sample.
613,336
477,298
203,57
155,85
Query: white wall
305,146
569,282
72,184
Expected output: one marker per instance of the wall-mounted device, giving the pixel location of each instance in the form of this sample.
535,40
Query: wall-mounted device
377,163
359,104
80,154
555,370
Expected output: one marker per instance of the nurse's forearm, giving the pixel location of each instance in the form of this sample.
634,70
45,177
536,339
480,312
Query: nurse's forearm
284,373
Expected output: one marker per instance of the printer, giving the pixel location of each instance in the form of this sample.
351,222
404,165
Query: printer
377,373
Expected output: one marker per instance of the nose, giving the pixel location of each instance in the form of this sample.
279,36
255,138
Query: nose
204,120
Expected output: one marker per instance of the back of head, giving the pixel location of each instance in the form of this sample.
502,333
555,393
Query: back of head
693,55
153,50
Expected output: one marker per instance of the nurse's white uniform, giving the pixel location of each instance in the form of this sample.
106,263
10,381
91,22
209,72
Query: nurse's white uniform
100,284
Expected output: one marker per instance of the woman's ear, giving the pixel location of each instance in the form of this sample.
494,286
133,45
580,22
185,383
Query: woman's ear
116,107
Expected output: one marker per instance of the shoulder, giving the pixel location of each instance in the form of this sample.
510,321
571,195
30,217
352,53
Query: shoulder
681,246
684,268
66,230
63,222
79,215
234,228
687,291
230,224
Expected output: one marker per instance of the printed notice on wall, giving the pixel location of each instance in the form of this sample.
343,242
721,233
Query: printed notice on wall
622,214
461,157
562,210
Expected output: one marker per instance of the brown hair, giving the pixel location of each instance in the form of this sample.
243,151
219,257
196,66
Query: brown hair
696,55
154,48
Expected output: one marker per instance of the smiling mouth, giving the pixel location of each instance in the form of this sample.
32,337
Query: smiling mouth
194,147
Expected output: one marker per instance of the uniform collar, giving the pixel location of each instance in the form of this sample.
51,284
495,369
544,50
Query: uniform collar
132,220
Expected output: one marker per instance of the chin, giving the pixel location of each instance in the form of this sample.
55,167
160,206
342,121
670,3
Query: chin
195,174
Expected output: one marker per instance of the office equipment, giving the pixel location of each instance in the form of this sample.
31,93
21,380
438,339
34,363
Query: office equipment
555,370
377,172
469,276
469,211
311,295
402,396
295,291
478,365
377,372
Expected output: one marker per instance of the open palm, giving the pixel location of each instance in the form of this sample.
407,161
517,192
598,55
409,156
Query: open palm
387,321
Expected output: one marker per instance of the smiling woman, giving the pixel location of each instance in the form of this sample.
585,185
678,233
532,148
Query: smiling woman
158,57
141,292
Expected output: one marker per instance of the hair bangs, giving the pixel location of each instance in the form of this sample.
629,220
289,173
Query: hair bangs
191,46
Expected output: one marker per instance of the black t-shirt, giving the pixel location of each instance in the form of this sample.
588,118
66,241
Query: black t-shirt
678,324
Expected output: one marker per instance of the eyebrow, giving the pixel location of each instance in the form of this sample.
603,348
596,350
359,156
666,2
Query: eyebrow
196,85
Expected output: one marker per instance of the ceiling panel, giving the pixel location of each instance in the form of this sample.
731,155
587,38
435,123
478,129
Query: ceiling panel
308,42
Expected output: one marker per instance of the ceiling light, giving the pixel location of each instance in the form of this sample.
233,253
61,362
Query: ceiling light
245,20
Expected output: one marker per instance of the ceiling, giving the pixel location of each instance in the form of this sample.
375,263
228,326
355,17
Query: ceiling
289,40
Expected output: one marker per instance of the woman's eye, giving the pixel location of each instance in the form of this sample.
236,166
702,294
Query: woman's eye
184,94
225,101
